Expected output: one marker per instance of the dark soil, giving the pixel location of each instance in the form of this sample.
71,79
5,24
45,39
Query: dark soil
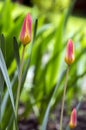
54,119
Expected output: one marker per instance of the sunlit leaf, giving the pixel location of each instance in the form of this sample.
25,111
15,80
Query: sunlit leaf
6,78
51,102
16,52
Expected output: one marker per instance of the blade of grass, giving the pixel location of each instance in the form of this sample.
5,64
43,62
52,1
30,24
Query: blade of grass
1,92
16,52
43,29
6,78
3,45
51,102
6,96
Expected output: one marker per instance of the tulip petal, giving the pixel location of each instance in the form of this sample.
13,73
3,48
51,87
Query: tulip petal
69,58
73,119
26,32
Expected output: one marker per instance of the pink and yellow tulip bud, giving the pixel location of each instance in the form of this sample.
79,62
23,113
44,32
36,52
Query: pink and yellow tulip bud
69,58
26,32
73,119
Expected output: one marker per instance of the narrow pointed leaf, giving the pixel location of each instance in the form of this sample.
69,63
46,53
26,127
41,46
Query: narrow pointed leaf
3,45
16,53
6,96
51,102
6,78
1,92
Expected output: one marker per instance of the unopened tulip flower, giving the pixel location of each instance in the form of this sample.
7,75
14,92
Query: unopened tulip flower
26,32
73,119
69,58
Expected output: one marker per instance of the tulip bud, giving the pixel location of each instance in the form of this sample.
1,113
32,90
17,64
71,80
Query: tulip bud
69,58
26,32
73,119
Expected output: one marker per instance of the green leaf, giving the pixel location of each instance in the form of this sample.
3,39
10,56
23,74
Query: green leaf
3,45
5,15
51,102
16,52
79,104
6,96
14,31
58,45
1,92
35,30
6,115
68,128
43,29
69,11
6,78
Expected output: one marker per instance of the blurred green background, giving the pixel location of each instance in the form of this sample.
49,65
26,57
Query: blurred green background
43,81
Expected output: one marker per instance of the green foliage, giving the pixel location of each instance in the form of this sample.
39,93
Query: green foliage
44,61
6,78
10,25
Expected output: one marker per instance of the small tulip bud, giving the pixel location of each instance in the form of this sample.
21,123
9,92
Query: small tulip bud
26,32
73,119
69,58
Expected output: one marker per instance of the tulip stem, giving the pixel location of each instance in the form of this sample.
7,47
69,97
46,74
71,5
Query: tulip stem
19,81
63,99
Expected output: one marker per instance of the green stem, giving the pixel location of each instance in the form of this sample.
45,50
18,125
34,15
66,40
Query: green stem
63,99
19,82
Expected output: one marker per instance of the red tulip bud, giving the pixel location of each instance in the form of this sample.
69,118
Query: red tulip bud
69,58
26,32
73,119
